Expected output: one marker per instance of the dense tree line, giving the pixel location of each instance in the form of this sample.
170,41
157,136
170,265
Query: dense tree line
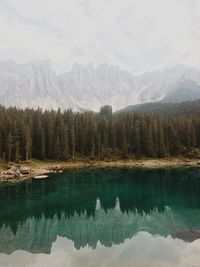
57,135
183,108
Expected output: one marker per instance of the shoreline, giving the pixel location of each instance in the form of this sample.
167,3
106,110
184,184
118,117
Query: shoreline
38,168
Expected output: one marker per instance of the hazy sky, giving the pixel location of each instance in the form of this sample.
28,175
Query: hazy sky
137,35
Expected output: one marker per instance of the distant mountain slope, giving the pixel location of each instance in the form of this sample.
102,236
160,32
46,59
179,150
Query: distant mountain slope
86,87
186,91
94,87
183,108
30,85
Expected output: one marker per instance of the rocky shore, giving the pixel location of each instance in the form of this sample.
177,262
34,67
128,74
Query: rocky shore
19,172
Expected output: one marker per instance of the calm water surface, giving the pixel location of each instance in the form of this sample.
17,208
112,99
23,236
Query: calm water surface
110,217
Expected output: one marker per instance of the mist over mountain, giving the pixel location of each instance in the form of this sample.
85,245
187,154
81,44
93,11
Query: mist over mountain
86,87
187,90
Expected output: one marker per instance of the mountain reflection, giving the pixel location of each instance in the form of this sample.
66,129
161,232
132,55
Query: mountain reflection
91,206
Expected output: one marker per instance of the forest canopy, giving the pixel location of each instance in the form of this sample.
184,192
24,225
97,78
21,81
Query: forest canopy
57,135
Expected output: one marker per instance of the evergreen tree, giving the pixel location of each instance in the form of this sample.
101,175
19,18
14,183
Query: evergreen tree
26,134
161,144
28,143
9,144
137,139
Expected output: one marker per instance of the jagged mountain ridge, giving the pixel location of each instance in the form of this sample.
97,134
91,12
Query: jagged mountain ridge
188,90
85,87
30,85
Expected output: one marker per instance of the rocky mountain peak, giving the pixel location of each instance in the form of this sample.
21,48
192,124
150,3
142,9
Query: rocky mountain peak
89,87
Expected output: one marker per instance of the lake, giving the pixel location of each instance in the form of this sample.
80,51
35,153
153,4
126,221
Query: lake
102,217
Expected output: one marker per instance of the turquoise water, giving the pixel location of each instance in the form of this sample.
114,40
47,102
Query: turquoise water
102,217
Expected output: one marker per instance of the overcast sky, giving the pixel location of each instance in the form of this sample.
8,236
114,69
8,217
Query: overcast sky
137,35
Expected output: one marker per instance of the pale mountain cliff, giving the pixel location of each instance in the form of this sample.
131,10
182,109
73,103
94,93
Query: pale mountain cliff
85,87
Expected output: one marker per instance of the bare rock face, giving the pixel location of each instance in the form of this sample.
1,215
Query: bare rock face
85,87
24,170
17,174
11,171
31,85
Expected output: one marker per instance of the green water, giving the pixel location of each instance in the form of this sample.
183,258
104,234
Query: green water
102,217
